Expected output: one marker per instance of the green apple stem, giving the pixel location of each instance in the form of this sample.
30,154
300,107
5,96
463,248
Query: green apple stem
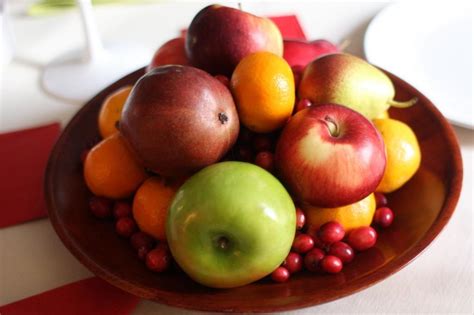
406,104
332,126
223,242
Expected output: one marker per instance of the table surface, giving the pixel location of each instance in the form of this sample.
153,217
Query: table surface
33,259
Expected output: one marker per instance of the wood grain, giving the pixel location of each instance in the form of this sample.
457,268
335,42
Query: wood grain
422,208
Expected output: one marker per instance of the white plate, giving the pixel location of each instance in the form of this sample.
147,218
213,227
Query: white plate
429,45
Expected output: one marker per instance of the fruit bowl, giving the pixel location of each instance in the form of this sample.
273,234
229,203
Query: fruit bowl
423,207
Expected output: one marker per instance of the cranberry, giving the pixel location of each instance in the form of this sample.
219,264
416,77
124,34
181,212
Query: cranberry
300,219
383,217
264,159
101,207
84,155
122,209
302,104
380,199
331,264
302,243
245,153
159,259
281,274
223,79
343,251
262,143
313,258
331,232
142,252
141,239
125,227
293,262
318,243
362,238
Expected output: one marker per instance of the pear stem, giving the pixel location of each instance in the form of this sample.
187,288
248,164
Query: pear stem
403,104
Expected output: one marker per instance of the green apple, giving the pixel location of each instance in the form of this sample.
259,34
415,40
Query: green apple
230,224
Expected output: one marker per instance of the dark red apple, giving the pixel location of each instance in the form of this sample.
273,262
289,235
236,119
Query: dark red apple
300,52
179,119
219,37
170,53
330,156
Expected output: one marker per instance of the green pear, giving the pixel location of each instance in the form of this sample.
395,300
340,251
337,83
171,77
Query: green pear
350,81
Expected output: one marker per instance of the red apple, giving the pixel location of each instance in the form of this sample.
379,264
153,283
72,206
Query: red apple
170,53
301,53
330,156
219,37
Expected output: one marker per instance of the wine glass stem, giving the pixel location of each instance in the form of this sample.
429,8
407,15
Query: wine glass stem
93,43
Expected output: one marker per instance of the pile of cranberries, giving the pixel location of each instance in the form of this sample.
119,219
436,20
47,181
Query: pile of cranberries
329,248
156,255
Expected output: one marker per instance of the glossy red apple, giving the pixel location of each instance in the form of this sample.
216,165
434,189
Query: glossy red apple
330,156
219,37
170,53
301,53
179,119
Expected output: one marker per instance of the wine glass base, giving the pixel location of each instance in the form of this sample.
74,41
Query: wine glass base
71,77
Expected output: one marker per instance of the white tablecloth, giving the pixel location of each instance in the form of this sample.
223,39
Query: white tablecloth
33,259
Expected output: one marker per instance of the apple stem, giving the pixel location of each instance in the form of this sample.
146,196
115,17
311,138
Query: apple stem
332,126
403,104
223,242
239,4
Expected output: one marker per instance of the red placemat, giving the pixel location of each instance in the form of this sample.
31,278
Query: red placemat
23,158
85,297
289,26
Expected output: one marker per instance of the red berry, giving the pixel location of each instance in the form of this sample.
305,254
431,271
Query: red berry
262,143
141,239
264,159
383,217
331,264
159,258
293,262
318,243
281,274
142,252
245,153
313,258
122,209
125,227
362,238
343,251
302,104
380,199
223,79
101,207
302,243
331,232
300,219
84,155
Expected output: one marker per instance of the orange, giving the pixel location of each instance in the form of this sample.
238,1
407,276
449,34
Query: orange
111,170
150,206
111,111
264,89
350,217
403,153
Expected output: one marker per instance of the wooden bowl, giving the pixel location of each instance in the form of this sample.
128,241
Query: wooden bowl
422,208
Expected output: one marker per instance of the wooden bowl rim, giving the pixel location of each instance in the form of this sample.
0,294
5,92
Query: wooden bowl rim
161,296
